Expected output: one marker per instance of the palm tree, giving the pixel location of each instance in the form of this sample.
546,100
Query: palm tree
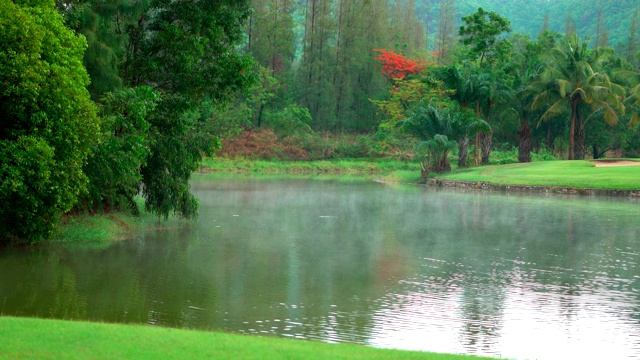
492,90
571,79
431,123
632,79
467,86
434,153
523,94
465,125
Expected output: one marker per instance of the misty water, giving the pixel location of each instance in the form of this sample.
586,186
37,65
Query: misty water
361,262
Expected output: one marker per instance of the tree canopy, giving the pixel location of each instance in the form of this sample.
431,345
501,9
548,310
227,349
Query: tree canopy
49,122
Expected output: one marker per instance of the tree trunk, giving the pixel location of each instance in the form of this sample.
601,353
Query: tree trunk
579,141
596,154
550,144
463,151
572,129
524,148
443,164
486,146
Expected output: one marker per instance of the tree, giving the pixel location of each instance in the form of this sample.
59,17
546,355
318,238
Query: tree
569,26
467,86
632,40
270,34
113,167
525,68
446,31
481,31
48,120
187,53
396,66
571,78
465,125
315,90
432,123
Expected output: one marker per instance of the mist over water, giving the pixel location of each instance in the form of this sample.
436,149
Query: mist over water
382,265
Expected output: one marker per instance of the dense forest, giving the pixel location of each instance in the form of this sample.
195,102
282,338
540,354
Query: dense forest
105,100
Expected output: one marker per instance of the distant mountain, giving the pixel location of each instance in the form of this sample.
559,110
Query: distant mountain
527,16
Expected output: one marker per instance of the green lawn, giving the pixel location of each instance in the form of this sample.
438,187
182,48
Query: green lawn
575,174
53,339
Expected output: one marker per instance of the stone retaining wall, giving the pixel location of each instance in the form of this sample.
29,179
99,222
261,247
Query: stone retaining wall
529,189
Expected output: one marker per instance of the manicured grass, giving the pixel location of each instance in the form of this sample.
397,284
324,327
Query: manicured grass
575,174
54,339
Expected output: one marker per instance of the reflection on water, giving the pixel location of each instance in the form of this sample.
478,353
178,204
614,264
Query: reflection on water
387,266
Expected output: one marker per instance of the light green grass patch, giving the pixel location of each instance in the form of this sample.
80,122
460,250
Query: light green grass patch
338,166
575,174
53,339
96,230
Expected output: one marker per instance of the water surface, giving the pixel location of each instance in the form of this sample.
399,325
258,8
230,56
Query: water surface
381,265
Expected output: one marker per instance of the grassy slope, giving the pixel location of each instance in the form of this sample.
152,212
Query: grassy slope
53,339
576,174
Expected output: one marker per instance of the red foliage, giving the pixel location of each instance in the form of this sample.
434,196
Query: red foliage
396,66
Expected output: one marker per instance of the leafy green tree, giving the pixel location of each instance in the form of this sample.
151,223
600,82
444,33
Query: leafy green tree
187,52
48,120
571,78
114,165
481,31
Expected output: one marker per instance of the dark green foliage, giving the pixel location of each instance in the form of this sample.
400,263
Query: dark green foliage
186,51
176,61
48,122
481,31
113,168
292,120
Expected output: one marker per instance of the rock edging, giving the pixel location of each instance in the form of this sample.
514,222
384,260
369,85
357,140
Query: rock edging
479,185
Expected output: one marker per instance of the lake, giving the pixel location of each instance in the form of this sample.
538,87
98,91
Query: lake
382,265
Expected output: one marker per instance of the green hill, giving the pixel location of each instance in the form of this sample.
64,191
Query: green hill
527,16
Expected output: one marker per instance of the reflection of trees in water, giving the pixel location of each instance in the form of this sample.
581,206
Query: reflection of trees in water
319,260
46,286
482,306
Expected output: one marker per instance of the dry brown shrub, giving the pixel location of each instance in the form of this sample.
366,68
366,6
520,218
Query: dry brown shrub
262,144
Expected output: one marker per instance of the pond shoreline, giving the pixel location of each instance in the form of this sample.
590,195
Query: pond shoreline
529,189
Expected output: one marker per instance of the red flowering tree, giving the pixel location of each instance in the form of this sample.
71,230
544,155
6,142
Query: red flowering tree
396,66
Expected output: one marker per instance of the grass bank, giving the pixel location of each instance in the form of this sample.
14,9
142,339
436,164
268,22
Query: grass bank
558,173
391,170
24,338
97,229
572,174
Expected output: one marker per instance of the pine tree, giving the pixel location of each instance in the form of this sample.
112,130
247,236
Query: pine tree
446,31
314,81
633,46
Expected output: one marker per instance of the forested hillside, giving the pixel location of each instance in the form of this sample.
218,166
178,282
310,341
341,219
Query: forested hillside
591,18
